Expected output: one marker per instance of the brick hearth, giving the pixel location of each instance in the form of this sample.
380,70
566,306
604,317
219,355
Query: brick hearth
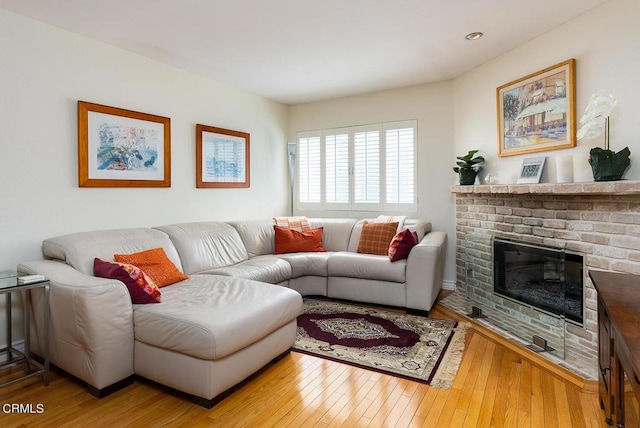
601,221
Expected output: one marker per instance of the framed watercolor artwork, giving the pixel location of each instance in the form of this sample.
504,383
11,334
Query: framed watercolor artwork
122,148
222,157
538,111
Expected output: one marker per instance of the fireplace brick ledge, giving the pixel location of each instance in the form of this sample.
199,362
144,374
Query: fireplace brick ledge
623,187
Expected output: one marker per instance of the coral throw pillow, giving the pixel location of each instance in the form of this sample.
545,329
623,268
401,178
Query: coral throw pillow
292,241
401,245
155,264
300,223
141,288
376,237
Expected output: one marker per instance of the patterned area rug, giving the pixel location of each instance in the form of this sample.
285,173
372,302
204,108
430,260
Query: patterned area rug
423,349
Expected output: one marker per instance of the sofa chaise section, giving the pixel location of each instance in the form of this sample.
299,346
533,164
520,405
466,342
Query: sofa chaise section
219,331
204,343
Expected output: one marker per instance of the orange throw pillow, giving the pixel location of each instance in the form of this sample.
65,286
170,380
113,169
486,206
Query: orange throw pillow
292,241
155,264
376,237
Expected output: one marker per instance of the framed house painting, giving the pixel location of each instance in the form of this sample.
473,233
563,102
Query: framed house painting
222,157
122,148
538,111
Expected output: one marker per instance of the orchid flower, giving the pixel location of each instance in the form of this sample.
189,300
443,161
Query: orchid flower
596,116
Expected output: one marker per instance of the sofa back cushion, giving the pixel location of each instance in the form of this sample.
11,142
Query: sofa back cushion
206,245
337,232
80,249
257,236
421,227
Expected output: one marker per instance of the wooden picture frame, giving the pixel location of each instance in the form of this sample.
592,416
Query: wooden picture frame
531,170
222,158
122,148
538,111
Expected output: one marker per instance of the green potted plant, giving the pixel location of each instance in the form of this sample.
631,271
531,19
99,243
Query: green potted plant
606,164
468,167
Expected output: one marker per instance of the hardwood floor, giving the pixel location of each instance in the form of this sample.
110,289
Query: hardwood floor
494,386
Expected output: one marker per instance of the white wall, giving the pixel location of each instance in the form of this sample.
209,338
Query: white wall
431,105
44,71
605,45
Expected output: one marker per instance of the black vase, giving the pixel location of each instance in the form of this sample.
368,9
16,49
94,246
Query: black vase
467,176
607,165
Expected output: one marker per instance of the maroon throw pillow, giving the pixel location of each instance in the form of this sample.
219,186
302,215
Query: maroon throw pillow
141,288
401,245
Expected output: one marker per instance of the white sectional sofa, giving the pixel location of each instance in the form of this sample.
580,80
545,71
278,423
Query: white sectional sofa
234,314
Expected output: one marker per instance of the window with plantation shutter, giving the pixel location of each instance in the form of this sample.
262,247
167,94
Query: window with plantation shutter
309,171
366,168
337,169
400,162
363,168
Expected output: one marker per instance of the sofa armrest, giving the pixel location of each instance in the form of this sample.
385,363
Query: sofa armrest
91,323
425,269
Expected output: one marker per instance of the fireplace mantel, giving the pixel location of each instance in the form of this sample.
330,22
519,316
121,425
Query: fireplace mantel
623,187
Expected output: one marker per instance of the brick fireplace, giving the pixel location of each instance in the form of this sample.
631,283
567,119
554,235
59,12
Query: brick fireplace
600,221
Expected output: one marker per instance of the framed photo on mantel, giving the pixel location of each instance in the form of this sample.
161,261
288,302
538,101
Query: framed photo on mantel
538,111
531,170
122,148
222,157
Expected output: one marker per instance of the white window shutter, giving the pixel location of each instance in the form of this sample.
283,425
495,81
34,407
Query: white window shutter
367,168
309,182
400,160
337,183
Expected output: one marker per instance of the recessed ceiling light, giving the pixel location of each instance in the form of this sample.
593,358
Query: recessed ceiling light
474,36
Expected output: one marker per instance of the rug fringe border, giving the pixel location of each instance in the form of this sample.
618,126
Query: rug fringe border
451,359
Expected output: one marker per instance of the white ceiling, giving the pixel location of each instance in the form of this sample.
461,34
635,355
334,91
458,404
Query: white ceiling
297,51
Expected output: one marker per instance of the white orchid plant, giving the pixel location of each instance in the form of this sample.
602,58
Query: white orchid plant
596,116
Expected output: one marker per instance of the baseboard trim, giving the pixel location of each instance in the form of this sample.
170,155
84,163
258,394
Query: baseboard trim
566,375
448,285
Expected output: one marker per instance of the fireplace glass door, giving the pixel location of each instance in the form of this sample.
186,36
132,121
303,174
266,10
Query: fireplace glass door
510,307
546,278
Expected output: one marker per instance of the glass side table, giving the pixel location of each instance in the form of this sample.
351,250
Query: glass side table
9,284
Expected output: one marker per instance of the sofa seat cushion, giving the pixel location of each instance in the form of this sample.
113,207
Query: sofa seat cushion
366,266
307,264
210,316
267,268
